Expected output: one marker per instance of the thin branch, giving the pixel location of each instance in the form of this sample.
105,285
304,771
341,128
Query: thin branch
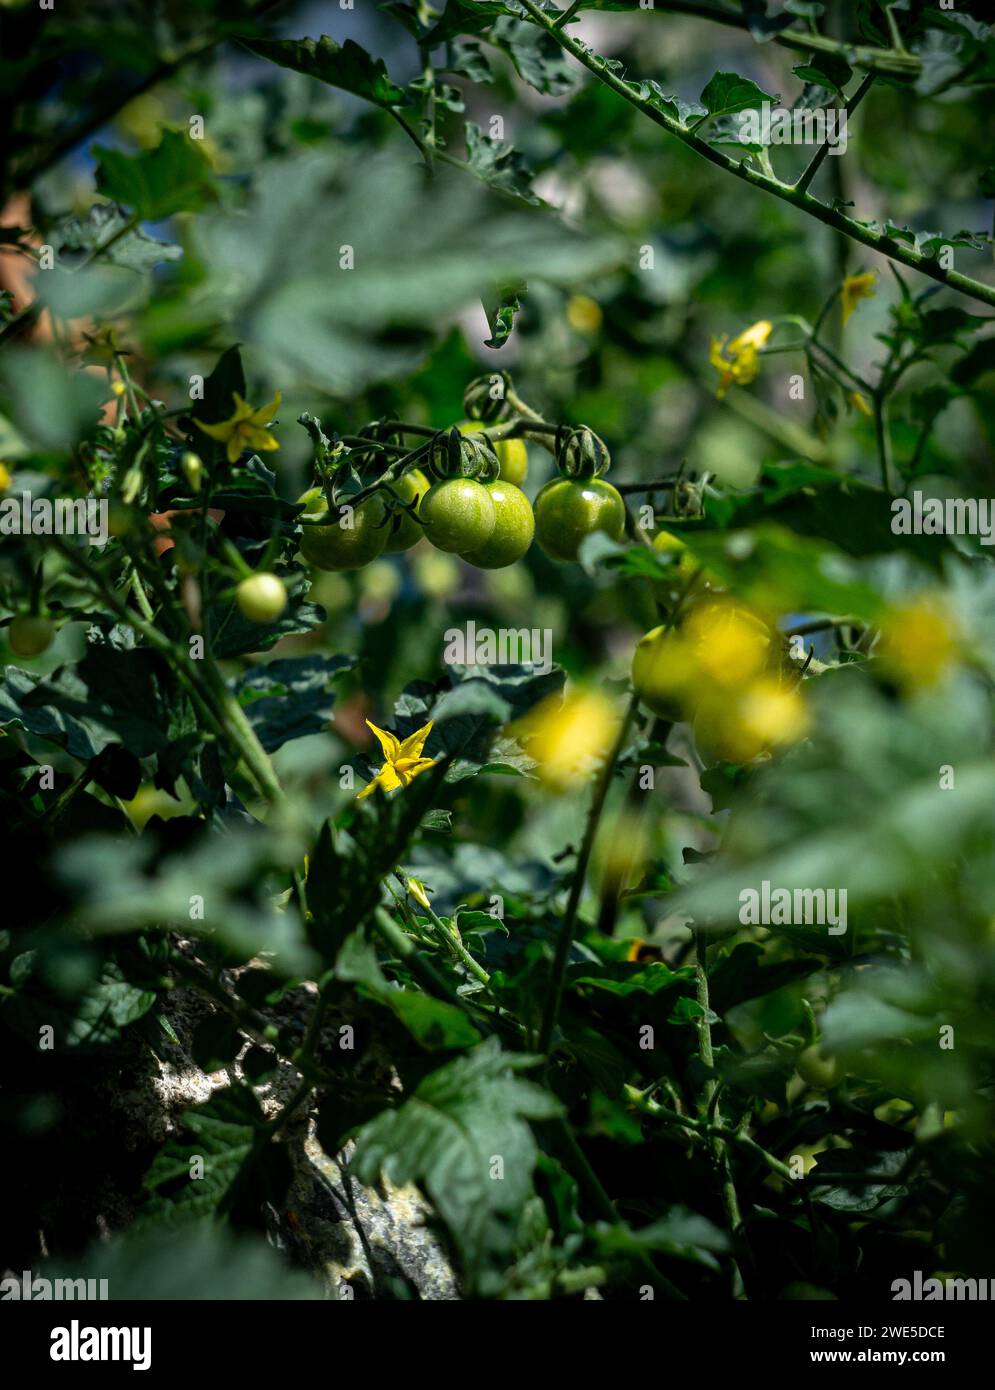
788,193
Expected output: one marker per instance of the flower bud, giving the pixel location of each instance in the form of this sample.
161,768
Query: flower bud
192,469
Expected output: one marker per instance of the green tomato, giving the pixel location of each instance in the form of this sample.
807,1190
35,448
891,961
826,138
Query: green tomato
30,634
405,530
341,545
458,515
658,673
512,454
514,527
568,509
261,597
818,1071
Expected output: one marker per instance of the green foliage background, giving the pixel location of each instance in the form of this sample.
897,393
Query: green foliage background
593,251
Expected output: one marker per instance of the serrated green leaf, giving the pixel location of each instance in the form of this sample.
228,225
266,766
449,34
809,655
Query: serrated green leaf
463,1125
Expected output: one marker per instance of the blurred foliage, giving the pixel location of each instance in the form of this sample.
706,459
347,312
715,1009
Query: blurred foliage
203,208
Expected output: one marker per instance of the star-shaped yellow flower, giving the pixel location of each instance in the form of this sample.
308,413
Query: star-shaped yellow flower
246,429
738,362
855,288
404,759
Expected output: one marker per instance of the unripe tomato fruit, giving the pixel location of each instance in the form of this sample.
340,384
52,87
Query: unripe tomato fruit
458,515
569,509
341,547
658,671
514,527
261,597
404,530
818,1071
512,454
30,634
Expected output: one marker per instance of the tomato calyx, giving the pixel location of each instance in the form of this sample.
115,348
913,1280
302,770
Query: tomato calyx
486,397
580,453
457,455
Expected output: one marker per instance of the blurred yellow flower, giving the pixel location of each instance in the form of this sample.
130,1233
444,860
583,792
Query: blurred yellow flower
583,314
404,759
919,643
861,403
855,288
417,890
246,428
5,477
738,362
568,738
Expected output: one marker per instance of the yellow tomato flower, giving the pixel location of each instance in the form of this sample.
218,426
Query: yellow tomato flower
738,362
567,738
246,428
5,477
404,759
855,288
918,643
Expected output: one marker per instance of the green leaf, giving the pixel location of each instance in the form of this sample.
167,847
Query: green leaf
92,1014
727,93
834,1167
76,239
116,694
538,58
347,66
501,308
462,1125
290,698
175,177
499,164
826,70
225,1135
201,1262
435,1024
681,1234
50,406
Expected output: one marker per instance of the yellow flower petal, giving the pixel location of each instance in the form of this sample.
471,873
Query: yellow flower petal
386,778
267,412
414,743
855,288
387,741
257,438
220,432
753,337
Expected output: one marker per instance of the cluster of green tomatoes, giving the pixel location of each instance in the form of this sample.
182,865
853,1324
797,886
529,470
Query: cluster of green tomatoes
464,494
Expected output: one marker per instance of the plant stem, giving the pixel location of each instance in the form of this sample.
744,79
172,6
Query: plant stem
718,1145
568,927
824,149
898,62
788,193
